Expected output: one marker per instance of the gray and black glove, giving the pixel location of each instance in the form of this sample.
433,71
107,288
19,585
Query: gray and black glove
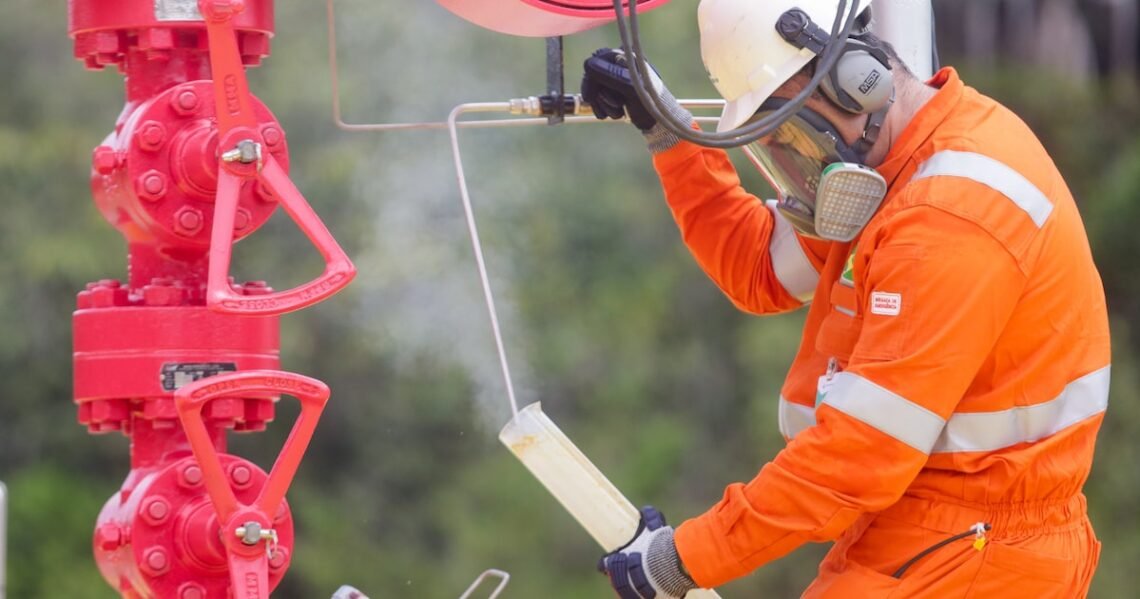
608,88
648,567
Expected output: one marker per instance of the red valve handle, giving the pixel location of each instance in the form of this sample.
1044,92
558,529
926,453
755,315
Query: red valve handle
231,90
221,296
237,124
248,563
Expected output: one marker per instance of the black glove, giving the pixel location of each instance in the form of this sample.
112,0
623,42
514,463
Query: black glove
648,567
608,88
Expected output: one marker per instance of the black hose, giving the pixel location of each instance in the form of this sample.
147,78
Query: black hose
639,69
935,547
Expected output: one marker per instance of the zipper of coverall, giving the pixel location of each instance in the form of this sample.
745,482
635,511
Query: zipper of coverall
978,530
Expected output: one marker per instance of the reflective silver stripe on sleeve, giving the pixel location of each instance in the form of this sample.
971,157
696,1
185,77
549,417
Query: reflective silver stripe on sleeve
986,431
885,411
793,268
794,418
989,172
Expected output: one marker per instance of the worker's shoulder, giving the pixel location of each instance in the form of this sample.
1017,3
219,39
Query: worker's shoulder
985,165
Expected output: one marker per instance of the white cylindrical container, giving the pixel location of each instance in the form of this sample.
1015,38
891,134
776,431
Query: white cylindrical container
574,481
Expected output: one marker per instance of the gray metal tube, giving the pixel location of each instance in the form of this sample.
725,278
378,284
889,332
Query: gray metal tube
3,539
907,25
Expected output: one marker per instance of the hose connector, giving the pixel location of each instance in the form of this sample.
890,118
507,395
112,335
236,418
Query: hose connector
547,105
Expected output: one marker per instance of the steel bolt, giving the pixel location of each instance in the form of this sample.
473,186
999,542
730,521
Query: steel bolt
155,561
104,160
109,536
241,476
151,185
185,102
162,292
279,558
242,219
264,193
151,135
190,476
191,590
155,511
188,221
272,136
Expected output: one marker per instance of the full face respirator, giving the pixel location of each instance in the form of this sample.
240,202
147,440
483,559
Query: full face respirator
824,188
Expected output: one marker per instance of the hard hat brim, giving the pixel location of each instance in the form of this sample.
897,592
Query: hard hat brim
738,111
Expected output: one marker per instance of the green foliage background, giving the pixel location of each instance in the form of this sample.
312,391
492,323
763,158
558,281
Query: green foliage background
405,490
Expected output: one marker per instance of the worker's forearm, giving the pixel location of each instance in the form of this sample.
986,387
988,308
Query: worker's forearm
813,491
727,229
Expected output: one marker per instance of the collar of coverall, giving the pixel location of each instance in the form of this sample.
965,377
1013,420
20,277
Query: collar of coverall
919,129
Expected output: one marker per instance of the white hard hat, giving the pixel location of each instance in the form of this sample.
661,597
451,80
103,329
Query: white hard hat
744,55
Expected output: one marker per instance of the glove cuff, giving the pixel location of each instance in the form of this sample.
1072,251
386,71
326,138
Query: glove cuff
658,138
664,566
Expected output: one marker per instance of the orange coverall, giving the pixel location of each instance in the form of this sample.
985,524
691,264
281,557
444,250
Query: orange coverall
953,370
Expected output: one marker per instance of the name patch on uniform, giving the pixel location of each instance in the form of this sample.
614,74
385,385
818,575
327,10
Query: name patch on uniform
886,304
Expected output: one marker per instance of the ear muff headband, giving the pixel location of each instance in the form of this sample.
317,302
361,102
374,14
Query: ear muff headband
860,82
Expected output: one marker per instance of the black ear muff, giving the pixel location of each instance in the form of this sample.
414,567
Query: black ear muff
861,81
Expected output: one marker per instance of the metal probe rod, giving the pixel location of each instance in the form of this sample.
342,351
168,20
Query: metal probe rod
452,125
488,295
3,539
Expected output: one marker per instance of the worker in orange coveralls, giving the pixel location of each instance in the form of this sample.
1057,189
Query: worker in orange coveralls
942,409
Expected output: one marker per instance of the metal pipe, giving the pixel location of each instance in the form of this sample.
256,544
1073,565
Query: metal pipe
503,577
477,246
3,539
518,106
907,25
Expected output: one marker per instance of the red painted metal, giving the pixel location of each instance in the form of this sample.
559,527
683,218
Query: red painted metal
162,180
221,296
249,562
540,18
237,125
166,31
156,177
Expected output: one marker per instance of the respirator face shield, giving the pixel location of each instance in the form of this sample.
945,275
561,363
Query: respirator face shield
822,187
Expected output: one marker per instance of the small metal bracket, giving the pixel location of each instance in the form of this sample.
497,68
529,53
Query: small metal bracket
3,539
503,577
555,81
348,592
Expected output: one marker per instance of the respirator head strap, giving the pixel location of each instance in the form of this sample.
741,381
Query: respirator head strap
871,130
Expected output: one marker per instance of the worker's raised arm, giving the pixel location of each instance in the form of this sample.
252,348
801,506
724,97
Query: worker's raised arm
748,249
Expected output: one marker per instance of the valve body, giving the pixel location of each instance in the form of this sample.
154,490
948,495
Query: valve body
136,342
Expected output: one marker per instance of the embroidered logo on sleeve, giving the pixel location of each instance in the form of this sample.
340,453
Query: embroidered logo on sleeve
886,304
848,276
